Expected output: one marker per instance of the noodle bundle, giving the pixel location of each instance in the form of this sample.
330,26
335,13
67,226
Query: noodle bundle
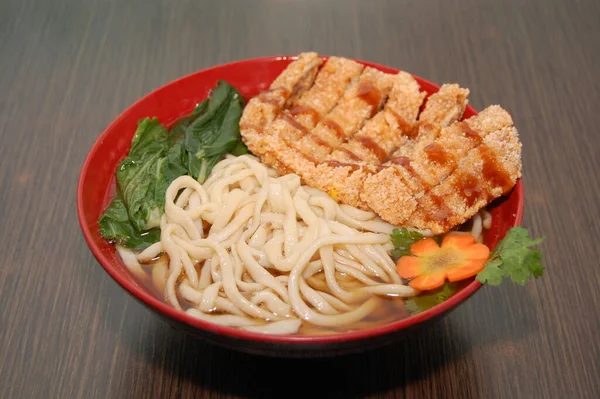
262,252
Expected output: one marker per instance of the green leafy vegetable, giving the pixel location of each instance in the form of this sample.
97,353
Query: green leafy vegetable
402,239
429,299
116,226
145,174
240,149
179,128
215,132
158,156
513,259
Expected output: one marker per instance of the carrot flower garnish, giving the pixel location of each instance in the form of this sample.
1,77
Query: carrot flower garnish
458,258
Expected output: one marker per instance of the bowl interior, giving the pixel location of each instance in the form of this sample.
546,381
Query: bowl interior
178,98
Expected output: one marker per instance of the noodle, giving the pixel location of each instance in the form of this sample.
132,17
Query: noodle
277,254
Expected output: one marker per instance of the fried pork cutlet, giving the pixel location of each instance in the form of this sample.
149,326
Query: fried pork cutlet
441,109
360,102
330,85
360,135
387,130
487,172
344,170
406,181
261,110
332,81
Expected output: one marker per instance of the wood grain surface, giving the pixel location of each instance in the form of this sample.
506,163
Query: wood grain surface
69,67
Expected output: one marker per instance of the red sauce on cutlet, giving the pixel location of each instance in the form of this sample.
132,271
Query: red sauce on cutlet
319,141
438,155
350,154
493,171
337,129
414,131
441,211
294,123
402,161
266,97
403,124
336,164
470,133
305,110
369,94
373,147
469,187
406,164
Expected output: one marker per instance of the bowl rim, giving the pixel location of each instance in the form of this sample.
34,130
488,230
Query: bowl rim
231,332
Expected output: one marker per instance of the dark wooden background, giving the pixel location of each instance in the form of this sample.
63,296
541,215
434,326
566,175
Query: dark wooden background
68,67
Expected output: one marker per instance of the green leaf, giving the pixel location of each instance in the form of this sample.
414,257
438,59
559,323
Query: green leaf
533,262
145,174
215,132
492,274
157,156
179,128
429,299
402,239
150,138
138,174
115,226
168,168
513,259
240,149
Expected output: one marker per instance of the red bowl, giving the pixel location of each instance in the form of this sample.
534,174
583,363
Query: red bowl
168,103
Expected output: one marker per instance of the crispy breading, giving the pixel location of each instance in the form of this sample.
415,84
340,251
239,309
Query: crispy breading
362,136
359,103
484,174
330,84
261,110
387,130
428,167
371,145
441,109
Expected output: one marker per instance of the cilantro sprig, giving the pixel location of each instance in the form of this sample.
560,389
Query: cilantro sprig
402,239
513,259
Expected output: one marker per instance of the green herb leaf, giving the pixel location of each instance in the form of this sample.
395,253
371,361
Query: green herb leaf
402,239
240,149
215,132
142,180
429,299
513,259
179,128
492,274
115,226
158,156
137,175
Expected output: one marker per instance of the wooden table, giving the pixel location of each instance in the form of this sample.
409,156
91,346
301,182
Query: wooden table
68,67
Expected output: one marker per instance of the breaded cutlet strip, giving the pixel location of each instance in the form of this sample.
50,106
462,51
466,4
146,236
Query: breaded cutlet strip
344,182
330,84
388,129
360,102
486,173
439,158
292,124
264,108
405,181
441,109
343,173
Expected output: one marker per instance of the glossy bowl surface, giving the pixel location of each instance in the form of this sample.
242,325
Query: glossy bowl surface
173,100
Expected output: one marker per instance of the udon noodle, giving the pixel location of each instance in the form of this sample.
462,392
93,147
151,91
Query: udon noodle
262,252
